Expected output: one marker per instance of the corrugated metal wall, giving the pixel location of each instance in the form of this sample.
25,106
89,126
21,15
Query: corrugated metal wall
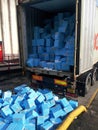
9,28
87,35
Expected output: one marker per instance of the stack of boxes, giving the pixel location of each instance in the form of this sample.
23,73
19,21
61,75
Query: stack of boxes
56,39
35,109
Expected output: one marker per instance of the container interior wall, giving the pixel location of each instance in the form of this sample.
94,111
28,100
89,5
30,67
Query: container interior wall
40,12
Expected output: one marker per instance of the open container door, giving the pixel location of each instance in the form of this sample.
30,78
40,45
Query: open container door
35,13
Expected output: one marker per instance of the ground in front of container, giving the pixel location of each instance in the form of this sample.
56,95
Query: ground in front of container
85,121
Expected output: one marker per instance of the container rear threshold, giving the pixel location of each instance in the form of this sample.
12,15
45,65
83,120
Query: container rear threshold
58,40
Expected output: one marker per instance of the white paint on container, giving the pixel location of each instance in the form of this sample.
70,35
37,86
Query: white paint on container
87,35
9,28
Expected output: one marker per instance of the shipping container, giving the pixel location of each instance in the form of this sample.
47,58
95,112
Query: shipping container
73,66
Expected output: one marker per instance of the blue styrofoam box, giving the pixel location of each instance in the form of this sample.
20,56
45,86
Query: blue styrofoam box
36,62
7,94
60,16
48,94
69,46
19,118
59,36
44,108
46,56
33,56
34,42
7,101
15,126
73,103
0,92
11,126
48,49
8,119
41,49
28,103
43,35
63,52
34,49
43,64
63,59
24,90
56,121
68,109
65,66
16,108
40,120
29,126
41,57
36,32
58,65
57,58
19,127
41,30
0,105
69,53
5,111
32,95
51,103
52,57
30,62
18,88
63,26
70,60
19,98
2,124
57,52
49,42
56,111
50,65
58,43
46,125
40,42
40,99
64,102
